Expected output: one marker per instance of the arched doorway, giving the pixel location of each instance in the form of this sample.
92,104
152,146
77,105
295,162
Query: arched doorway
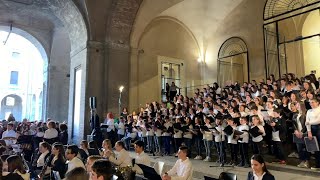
11,104
291,36
23,67
233,64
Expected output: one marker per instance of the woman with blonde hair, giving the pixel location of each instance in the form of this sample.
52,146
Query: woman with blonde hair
107,147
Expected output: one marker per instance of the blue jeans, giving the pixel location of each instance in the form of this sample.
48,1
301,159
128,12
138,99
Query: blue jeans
303,154
208,145
198,145
150,144
166,141
315,130
188,143
221,151
157,142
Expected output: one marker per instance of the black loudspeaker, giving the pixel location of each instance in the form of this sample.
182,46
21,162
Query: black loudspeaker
93,102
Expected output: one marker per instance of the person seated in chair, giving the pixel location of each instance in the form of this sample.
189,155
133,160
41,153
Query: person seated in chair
141,157
182,168
10,136
51,133
101,170
259,169
71,155
123,158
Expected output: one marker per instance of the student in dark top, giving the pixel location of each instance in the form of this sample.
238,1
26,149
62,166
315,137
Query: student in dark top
259,169
58,162
63,135
8,175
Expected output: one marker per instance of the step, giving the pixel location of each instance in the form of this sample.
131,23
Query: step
201,169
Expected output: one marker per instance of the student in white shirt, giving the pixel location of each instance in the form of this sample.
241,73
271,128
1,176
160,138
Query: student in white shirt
257,141
44,149
121,128
259,169
243,142
182,169
313,127
10,136
141,157
51,132
71,156
122,158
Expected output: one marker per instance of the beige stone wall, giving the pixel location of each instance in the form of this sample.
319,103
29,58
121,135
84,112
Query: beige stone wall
311,47
163,37
204,29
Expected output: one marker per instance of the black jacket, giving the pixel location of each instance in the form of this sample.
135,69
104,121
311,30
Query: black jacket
302,120
267,176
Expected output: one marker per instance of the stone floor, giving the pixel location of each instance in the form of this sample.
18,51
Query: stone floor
201,168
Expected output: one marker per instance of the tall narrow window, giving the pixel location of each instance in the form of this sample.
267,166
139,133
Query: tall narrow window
14,77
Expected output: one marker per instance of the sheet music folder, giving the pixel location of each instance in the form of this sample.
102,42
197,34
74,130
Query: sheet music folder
149,172
299,140
311,145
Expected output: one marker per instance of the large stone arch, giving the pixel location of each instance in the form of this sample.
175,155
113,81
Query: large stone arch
174,44
15,108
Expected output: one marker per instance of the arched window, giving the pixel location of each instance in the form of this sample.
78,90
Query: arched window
275,8
233,62
291,37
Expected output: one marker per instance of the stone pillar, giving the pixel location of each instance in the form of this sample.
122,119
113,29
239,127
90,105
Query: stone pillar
105,68
58,80
117,74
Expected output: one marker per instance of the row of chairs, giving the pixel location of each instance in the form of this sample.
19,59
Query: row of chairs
158,167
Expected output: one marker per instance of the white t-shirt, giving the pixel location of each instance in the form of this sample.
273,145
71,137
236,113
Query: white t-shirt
50,133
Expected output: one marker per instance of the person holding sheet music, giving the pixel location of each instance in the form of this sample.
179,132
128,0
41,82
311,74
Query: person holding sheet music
187,134
313,127
177,134
197,137
232,141
300,130
278,125
207,138
167,135
158,127
121,128
150,135
219,137
257,132
243,142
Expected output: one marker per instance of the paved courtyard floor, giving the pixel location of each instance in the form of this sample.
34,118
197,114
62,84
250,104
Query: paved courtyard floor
201,168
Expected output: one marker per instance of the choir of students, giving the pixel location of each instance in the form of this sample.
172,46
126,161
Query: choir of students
237,120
